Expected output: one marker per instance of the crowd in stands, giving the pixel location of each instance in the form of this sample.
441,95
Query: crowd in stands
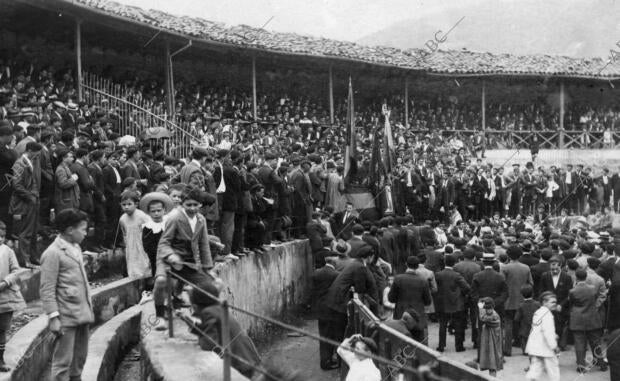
65,167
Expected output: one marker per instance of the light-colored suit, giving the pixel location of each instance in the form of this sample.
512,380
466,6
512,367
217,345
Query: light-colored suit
541,345
64,285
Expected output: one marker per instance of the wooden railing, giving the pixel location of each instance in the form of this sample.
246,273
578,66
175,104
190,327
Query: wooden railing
547,139
135,117
403,350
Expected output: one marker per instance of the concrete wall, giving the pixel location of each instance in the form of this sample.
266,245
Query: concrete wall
108,345
29,350
268,283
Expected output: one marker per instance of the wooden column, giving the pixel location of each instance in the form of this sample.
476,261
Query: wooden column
78,57
406,102
254,88
331,95
169,79
561,134
484,106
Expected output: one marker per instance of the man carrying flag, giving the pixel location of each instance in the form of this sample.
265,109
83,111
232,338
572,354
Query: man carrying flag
350,160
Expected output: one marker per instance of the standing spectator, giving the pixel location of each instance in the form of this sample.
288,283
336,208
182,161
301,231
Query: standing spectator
24,204
517,275
65,296
112,192
98,160
131,223
322,279
11,299
468,268
228,199
542,346
270,180
302,196
452,291
410,290
585,321
490,283
47,177
525,313
560,283
85,181
67,190
491,358
8,156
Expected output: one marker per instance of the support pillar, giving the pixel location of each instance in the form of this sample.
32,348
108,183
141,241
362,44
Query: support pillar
561,134
483,105
78,57
406,102
254,111
169,79
331,95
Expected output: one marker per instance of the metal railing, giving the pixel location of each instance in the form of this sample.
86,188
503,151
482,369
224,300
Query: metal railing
405,351
135,116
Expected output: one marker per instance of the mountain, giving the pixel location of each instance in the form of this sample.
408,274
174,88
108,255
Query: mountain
576,28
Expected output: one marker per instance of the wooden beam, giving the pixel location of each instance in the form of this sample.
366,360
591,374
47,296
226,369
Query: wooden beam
78,58
254,111
168,74
562,105
331,95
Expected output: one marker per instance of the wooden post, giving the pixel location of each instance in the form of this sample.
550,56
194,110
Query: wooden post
484,106
331,95
254,111
561,134
225,329
78,57
406,102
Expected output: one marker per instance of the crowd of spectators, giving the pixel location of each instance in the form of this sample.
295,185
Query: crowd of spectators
254,183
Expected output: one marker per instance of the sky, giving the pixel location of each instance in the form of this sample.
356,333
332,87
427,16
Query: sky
336,19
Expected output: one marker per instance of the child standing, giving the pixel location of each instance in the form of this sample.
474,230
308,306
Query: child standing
491,355
156,204
131,223
10,298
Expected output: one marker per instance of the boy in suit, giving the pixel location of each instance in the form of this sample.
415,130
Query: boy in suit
525,313
65,296
183,249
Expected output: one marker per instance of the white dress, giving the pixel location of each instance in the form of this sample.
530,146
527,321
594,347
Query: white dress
138,264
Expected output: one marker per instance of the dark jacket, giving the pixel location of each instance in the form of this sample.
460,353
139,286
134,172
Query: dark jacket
322,280
490,283
584,316
315,232
356,275
410,290
87,186
565,284
67,190
524,316
240,345
452,291
7,159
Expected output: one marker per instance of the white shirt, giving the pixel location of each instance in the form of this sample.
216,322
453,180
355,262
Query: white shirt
192,221
118,176
556,279
569,179
359,370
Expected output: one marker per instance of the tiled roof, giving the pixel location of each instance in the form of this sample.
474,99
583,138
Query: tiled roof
447,62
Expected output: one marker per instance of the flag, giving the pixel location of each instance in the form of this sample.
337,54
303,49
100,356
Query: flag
388,141
376,167
350,162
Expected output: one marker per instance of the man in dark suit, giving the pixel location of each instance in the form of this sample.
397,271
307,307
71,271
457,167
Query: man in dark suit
468,268
47,177
615,188
357,242
302,196
540,268
571,181
490,283
410,290
271,181
322,279
388,243
8,156
500,191
85,181
585,321
606,183
229,197
24,204
356,275
527,258
447,197
315,231
560,283
610,269
97,161
344,221
479,191
452,292
112,192
517,275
